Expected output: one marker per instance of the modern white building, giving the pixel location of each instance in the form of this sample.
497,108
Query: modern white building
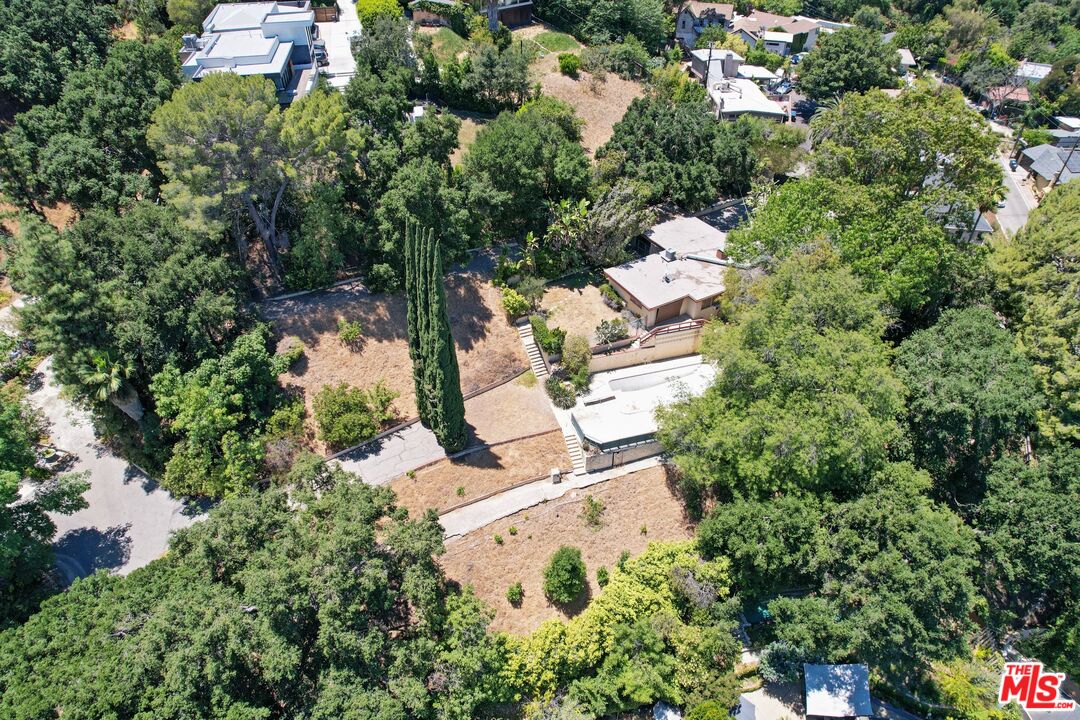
731,92
272,39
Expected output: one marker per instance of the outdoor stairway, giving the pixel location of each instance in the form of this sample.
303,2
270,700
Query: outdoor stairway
577,455
536,360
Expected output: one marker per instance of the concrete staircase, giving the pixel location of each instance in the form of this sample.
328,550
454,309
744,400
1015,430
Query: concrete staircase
577,455
536,360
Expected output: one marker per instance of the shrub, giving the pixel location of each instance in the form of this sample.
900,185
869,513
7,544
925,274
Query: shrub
348,415
781,662
564,576
610,297
592,512
368,10
624,556
609,331
576,354
460,491
580,379
628,59
513,303
560,392
349,333
512,530
382,278
498,539
532,289
708,710
569,64
514,594
287,420
602,576
285,359
549,339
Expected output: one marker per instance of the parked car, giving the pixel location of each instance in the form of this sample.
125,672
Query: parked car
1001,203
1012,164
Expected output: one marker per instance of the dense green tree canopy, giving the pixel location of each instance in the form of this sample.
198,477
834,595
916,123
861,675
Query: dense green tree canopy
851,59
138,287
676,148
1039,278
606,21
43,41
971,395
523,161
90,147
274,607
922,144
804,399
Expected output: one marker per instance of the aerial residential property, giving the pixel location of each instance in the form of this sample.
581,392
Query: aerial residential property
539,360
272,39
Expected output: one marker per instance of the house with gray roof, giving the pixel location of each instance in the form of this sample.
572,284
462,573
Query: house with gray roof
1044,162
272,39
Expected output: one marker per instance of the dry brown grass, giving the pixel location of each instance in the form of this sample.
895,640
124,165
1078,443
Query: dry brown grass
488,347
599,110
470,126
643,499
489,470
577,308
127,31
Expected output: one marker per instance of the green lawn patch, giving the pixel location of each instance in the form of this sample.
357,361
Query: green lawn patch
557,41
447,44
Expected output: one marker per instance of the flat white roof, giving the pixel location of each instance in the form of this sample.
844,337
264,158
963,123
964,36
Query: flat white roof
837,691
656,282
756,72
906,58
621,404
687,235
774,36
705,54
251,15
735,96
1033,70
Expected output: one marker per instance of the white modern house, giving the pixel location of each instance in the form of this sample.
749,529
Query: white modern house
733,87
272,39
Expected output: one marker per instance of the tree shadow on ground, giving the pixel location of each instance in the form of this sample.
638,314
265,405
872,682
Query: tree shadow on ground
483,459
84,551
469,315
574,608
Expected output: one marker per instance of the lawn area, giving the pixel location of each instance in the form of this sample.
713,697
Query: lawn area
488,347
641,501
447,44
470,126
557,42
575,305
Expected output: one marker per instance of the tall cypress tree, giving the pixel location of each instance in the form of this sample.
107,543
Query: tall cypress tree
435,369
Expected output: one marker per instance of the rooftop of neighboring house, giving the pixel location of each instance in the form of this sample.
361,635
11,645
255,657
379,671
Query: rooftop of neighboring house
1033,70
655,280
738,96
1047,160
906,58
687,236
251,15
716,55
1015,93
759,22
698,8
245,52
837,691
756,72
776,36
1067,123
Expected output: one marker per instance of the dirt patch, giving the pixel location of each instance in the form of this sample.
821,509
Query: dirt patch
643,499
577,307
488,347
477,474
60,215
599,105
470,126
509,411
127,31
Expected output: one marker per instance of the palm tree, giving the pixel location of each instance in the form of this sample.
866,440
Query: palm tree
105,380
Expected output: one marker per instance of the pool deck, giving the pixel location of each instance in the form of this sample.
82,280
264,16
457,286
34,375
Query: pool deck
621,404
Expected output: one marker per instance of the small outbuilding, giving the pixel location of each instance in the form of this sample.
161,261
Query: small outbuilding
837,691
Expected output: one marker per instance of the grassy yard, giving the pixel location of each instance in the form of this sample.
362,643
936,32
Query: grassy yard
557,41
447,44
470,126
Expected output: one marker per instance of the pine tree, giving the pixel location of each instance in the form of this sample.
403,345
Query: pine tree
435,369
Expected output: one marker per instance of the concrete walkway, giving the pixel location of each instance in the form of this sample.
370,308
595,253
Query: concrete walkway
129,518
380,462
471,517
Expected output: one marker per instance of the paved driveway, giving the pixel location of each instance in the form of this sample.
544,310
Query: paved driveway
129,518
338,37
1019,201
381,461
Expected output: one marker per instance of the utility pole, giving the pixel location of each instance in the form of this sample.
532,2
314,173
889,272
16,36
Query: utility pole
1064,165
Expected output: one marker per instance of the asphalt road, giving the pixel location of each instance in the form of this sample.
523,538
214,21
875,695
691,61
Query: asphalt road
1019,201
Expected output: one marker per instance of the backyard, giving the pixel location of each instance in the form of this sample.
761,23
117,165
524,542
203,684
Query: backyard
638,508
488,347
576,305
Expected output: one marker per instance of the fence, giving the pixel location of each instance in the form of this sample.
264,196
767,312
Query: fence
663,343
326,14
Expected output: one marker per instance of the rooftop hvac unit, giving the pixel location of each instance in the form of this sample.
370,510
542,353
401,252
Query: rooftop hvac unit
190,41
668,255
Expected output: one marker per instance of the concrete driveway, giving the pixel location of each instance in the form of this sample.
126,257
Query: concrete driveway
129,518
338,37
380,461
1019,200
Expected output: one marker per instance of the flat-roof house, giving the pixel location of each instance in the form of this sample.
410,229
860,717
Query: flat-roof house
1044,162
1067,123
682,276
907,60
272,39
731,93
1032,72
837,691
695,16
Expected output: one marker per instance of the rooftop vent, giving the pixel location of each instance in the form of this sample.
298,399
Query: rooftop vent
668,255
667,278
